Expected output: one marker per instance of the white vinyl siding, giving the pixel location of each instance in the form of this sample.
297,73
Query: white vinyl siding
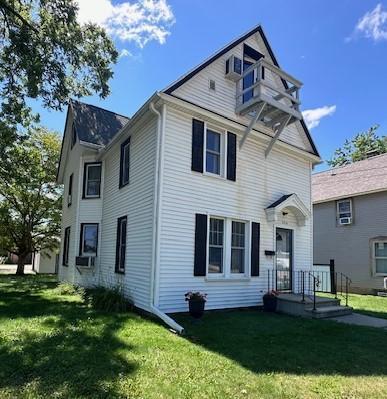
260,182
135,200
223,100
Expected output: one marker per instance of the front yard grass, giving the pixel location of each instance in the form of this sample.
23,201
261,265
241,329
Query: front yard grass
54,346
370,305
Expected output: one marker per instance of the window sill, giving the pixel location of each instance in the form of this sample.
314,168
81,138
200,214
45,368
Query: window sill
227,279
380,274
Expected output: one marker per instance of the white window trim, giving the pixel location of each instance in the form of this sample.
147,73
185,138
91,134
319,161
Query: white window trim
86,177
338,209
223,151
374,258
227,235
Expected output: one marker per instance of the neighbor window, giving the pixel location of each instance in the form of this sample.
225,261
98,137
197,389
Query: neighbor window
238,243
73,136
213,152
344,211
125,163
89,239
70,191
66,245
215,263
121,244
380,257
92,180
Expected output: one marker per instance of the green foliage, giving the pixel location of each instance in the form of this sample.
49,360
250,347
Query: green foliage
108,299
357,148
46,54
66,288
30,198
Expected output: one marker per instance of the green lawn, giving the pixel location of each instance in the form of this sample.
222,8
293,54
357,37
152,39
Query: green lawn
54,346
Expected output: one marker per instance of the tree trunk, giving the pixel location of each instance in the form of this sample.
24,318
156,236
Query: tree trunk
20,266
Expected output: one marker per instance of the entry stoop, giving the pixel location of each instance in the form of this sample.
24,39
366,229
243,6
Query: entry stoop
293,304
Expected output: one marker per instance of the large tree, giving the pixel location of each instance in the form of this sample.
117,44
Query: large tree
30,198
45,54
359,147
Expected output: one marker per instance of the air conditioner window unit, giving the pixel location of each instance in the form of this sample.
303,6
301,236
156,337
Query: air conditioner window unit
233,68
85,261
345,221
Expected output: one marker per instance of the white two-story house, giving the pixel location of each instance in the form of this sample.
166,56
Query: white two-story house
206,187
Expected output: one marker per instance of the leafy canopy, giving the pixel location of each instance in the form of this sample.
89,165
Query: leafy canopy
30,198
359,147
46,54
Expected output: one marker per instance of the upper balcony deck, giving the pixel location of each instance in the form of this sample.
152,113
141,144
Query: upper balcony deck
268,90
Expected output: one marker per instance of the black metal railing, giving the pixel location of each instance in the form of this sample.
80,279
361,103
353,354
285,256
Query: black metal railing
309,283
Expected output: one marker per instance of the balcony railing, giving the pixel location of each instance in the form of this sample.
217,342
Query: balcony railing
264,83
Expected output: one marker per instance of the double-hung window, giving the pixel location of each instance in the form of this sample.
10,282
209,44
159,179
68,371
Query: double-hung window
89,239
66,246
92,180
380,257
216,246
238,244
121,244
227,247
213,152
125,163
344,211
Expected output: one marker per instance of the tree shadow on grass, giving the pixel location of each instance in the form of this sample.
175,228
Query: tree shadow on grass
60,348
266,343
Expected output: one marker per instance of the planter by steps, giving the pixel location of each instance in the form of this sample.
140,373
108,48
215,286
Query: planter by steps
270,301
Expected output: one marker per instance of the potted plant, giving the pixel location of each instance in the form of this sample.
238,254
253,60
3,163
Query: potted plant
270,301
196,302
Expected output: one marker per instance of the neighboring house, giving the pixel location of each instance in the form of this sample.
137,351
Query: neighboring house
350,221
197,190
45,262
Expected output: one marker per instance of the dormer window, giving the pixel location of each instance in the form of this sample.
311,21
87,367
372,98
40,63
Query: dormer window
92,180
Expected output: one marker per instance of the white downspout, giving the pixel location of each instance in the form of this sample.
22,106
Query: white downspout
155,273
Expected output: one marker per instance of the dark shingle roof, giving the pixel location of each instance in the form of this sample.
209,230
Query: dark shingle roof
279,201
358,178
96,125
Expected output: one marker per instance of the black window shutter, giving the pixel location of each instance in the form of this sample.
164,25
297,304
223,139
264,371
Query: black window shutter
231,156
255,233
197,145
200,262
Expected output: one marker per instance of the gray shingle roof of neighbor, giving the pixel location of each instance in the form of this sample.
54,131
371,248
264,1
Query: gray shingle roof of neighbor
362,177
96,125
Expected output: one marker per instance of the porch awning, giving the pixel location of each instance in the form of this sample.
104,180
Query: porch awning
290,202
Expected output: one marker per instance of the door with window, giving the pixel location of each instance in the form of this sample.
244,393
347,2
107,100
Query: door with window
284,259
248,81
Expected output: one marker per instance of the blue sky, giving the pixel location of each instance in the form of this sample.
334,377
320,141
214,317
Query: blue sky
338,49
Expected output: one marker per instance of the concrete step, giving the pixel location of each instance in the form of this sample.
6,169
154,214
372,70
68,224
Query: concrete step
329,311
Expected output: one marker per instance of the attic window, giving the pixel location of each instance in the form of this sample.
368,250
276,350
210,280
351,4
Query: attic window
212,84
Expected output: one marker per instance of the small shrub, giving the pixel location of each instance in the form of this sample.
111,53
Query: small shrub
108,299
66,288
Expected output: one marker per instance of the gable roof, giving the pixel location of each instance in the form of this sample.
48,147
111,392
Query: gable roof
358,178
279,201
183,79
96,125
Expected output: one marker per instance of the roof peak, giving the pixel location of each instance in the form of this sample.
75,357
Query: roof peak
72,100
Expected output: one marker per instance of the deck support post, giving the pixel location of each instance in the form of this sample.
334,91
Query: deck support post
280,128
252,123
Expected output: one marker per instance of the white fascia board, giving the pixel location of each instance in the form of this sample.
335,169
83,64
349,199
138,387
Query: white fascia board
349,195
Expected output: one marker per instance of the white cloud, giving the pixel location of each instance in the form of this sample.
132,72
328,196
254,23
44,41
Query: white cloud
125,53
313,117
138,21
373,24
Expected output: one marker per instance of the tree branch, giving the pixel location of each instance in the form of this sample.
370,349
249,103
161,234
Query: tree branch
5,6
